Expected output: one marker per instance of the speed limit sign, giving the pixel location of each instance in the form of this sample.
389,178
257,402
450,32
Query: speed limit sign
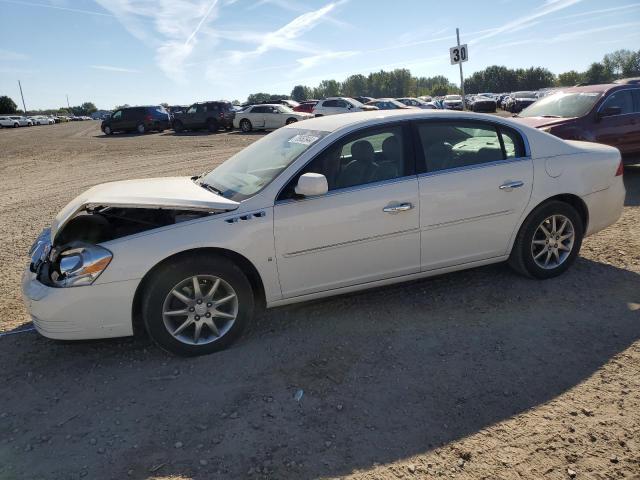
459,54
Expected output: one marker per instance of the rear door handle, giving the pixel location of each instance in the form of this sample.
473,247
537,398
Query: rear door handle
403,207
508,186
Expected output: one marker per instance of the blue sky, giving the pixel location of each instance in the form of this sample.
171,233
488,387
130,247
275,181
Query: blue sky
150,51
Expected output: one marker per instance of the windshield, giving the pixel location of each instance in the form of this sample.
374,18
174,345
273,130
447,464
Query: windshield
356,103
252,169
563,104
285,109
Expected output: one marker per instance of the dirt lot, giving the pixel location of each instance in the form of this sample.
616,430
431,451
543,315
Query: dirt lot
478,374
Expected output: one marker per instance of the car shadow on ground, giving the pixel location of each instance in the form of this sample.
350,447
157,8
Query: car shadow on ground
379,376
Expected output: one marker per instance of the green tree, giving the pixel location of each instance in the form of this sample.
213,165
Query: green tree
262,97
439,90
597,73
569,79
7,105
355,86
300,93
327,88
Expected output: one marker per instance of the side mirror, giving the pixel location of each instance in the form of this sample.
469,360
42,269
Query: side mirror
609,112
312,185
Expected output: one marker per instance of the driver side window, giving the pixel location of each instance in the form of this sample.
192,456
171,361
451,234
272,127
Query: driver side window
372,155
622,100
117,115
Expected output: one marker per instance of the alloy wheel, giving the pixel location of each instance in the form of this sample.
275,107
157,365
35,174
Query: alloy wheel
553,242
200,310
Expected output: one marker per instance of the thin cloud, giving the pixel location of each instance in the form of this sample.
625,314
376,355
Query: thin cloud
110,68
8,55
285,37
177,31
314,60
526,21
58,7
602,10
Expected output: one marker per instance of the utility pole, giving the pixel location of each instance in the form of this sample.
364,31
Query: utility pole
461,76
23,104
68,107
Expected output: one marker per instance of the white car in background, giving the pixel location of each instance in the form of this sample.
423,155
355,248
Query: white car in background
8,122
42,120
416,102
314,209
267,117
22,121
334,105
452,102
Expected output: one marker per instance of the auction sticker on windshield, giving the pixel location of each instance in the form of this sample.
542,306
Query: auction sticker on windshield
303,139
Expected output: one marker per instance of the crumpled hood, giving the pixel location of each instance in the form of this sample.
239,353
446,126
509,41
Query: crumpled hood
178,193
539,122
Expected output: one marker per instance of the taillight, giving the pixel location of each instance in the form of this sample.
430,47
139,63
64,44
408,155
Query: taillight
620,170
148,118
221,114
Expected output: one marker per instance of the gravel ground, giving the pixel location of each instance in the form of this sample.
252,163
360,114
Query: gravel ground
472,375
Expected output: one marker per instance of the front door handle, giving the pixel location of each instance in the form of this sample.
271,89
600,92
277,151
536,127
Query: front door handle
403,207
508,186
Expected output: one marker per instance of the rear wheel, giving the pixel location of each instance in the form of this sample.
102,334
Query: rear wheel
212,125
548,241
245,126
197,305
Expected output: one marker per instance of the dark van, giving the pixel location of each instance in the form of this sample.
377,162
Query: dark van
137,119
608,114
210,115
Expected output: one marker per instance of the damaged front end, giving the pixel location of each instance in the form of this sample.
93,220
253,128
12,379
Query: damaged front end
76,258
71,254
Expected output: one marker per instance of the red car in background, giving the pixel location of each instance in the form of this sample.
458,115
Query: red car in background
608,114
306,107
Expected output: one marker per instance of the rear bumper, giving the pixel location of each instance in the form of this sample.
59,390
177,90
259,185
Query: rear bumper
80,313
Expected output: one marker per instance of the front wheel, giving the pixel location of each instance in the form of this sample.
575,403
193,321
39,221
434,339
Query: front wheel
291,120
107,130
141,128
245,126
178,126
548,241
197,305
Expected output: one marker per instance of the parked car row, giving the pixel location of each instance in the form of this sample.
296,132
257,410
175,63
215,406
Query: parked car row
608,114
14,121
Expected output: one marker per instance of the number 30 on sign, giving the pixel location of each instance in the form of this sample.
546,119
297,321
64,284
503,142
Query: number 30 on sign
459,54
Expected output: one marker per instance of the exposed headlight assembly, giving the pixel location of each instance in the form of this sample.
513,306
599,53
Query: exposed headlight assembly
79,264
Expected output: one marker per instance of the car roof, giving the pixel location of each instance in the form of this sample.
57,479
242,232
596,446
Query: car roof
267,105
600,88
331,123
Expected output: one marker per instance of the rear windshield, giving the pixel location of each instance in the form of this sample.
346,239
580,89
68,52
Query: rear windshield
563,105
524,95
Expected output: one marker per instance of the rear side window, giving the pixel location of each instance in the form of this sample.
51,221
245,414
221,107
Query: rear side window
330,103
448,145
512,143
621,99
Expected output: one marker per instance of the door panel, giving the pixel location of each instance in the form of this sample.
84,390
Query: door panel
465,216
345,238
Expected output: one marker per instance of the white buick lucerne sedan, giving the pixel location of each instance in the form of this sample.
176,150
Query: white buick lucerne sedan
318,208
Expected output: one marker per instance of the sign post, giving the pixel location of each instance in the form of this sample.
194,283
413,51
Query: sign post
459,54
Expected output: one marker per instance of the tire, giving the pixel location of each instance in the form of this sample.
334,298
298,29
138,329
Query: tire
245,125
178,126
228,128
16,125
141,128
524,249
178,275
107,130
290,121
212,125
